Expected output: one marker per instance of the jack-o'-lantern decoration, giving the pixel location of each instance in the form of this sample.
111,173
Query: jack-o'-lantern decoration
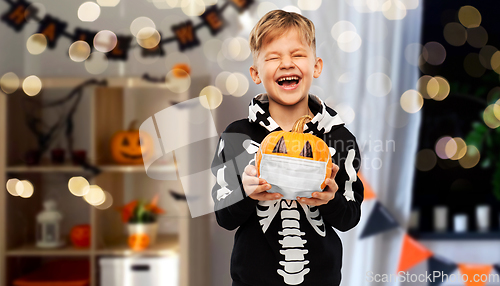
138,241
80,236
128,147
181,70
296,144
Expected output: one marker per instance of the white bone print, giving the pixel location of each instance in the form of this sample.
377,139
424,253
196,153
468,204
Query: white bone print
292,245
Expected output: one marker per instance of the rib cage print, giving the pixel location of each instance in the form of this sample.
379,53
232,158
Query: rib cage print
293,245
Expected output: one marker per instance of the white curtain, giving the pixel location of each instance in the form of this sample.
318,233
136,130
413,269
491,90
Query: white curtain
365,87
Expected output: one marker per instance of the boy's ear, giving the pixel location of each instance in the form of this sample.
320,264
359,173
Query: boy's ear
255,75
318,67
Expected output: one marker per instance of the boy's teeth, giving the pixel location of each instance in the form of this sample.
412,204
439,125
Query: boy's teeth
288,78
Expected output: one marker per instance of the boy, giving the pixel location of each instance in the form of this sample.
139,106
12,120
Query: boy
278,241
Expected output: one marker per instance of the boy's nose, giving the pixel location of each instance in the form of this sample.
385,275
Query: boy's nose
286,62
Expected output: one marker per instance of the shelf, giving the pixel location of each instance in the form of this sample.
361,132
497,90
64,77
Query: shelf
493,235
32,250
165,245
78,169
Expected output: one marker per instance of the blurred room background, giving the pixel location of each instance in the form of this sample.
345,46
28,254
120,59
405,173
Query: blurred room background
416,81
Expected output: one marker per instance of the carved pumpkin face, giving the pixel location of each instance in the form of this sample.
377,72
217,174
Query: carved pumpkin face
296,144
80,235
138,241
127,147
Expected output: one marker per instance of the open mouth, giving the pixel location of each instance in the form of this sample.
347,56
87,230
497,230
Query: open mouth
288,82
133,157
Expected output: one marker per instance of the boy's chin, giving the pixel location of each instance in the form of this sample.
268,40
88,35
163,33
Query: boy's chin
287,100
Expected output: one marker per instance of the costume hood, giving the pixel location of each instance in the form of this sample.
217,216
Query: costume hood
325,119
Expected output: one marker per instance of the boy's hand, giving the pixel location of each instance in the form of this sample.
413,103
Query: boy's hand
256,188
321,198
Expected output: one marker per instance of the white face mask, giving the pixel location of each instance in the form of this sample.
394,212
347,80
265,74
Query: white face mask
292,177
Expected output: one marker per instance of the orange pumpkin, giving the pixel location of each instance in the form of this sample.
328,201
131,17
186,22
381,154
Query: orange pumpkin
181,70
127,147
80,235
297,145
138,241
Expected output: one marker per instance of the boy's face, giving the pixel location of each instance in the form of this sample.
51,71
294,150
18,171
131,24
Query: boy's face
286,66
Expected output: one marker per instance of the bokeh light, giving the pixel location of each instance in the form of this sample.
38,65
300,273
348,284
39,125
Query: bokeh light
211,49
32,85
341,27
469,17
148,38
265,7
375,5
89,12
413,53
78,186
293,9
345,112
473,66
236,49
36,44
108,3
490,118
175,58
140,23
95,195
193,8
485,56
443,149
434,53
349,41
212,95
345,77
471,157
11,186
107,203
221,81
477,37
379,84
237,84
97,63
79,51
411,101
455,34
438,88
394,10
105,41
9,82
495,62
493,95
310,5
426,160
410,4
461,147
25,189
179,84
422,85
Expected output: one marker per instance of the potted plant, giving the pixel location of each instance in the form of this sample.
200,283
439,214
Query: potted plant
141,219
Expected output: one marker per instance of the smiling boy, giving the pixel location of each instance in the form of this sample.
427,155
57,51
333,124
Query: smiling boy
278,241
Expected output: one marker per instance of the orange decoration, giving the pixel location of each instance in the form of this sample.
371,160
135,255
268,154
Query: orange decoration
412,253
138,241
474,273
127,147
80,235
181,70
368,193
296,144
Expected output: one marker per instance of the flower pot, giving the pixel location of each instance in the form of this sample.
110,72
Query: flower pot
151,229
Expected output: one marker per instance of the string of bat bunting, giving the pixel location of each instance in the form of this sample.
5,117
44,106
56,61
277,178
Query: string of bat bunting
184,33
413,252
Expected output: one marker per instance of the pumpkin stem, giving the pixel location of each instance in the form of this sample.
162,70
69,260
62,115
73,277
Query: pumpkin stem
133,125
298,126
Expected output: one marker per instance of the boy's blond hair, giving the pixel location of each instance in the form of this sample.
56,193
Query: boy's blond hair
276,23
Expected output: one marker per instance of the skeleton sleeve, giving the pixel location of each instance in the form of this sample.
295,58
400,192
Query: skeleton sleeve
344,210
232,206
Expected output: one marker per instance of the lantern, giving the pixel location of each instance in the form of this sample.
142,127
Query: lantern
48,226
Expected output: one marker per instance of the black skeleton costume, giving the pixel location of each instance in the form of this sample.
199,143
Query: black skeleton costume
285,242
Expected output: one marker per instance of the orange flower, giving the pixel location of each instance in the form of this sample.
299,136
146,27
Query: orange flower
152,206
128,210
